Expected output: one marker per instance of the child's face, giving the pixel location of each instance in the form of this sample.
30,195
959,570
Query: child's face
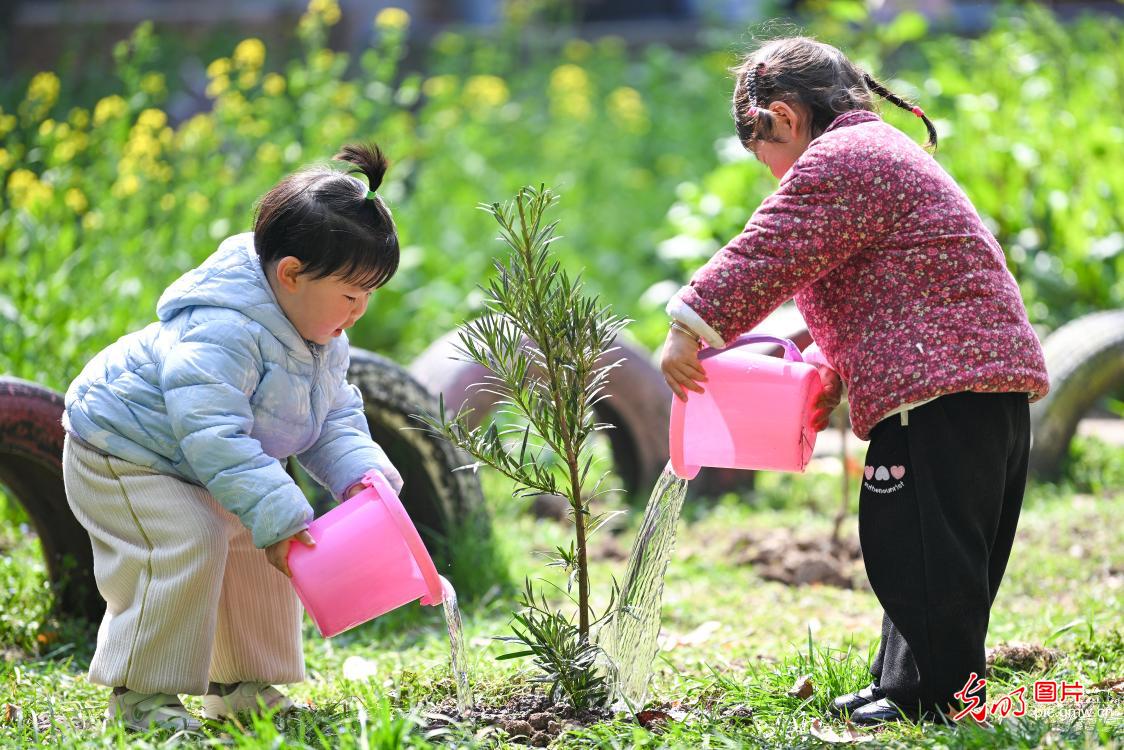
320,309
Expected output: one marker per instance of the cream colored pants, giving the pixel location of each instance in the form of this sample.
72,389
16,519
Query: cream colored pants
188,597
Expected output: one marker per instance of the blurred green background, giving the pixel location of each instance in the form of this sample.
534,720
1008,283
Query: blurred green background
119,174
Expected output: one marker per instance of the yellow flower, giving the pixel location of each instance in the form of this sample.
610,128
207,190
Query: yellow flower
92,221
269,153
152,119
68,148
26,190
153,84
42,93
327,11
322,59
577,50
219,68
126,185
76,201
250,53
5,159
392,19
247,79
7,124
569,92
627,109
79,118
168,202
109,108
485,91
46,128
569,78
439,86
218,86
198,203
274,84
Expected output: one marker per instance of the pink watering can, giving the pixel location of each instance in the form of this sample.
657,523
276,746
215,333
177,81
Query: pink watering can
756,412
368,560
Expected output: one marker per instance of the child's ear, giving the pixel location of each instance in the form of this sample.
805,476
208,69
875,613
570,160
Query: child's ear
787,120
287,272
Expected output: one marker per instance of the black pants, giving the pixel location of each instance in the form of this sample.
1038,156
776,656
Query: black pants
938,509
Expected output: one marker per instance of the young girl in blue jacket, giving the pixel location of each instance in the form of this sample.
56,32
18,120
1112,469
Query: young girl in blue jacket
176,438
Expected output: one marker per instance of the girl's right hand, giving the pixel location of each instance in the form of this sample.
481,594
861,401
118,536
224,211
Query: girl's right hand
278,553
680,364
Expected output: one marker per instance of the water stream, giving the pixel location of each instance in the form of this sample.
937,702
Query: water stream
458,658
629,637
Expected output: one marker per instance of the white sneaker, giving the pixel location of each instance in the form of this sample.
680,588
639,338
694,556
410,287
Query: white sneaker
224,701
144,711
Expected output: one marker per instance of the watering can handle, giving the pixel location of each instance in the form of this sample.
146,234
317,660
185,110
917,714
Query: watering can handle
791,351
376,480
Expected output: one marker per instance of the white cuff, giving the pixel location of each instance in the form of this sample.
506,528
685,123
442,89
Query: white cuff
678,310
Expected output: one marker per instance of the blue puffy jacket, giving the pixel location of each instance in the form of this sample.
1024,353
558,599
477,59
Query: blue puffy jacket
220,389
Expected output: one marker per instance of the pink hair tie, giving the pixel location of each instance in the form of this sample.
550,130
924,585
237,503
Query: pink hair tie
752,112
918,111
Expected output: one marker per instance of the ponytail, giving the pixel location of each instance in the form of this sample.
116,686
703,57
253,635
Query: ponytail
897,101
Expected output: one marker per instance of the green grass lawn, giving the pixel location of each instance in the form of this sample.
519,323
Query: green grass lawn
733,643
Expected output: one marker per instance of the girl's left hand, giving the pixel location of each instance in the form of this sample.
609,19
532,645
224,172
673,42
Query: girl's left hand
829,398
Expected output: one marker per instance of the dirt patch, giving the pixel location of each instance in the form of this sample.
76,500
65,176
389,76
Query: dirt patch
1022,657
800,559
527,719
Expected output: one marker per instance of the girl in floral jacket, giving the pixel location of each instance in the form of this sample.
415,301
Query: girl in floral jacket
908,297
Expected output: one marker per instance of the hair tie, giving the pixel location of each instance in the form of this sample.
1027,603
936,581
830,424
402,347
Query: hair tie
371,195
917,111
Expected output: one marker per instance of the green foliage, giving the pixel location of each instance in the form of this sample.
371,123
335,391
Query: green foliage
106,201
569,662
546,344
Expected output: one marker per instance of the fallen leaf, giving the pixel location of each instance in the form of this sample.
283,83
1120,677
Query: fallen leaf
802,688
1112,684
649,717
696,637
847,736
12,713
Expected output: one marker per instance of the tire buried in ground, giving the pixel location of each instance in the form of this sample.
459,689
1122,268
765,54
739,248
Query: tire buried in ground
445,504
1085,360
638,407
31,437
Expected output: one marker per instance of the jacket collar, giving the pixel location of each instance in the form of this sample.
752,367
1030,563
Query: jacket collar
854,117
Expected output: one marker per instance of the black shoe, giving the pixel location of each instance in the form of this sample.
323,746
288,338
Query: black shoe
880,712
845,705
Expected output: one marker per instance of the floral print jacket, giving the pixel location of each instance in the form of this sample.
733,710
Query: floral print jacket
903,288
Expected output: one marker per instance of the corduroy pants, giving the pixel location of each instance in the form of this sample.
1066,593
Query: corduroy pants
189,599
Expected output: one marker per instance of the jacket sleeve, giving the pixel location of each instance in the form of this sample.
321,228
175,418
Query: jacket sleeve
207,379
344,451
829,206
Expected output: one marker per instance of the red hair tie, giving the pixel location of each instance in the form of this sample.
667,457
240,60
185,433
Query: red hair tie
752,112
918,111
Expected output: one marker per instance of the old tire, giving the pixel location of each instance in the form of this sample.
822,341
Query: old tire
1085,360
639,405
446,505
31,438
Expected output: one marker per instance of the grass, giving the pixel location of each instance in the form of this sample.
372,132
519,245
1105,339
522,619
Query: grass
733,644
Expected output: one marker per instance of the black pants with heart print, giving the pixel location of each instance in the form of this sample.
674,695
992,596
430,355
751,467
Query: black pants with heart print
939,505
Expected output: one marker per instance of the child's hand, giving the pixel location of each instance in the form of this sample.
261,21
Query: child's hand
278,553
829,398
680,364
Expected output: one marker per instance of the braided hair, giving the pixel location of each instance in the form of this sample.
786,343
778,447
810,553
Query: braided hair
807,73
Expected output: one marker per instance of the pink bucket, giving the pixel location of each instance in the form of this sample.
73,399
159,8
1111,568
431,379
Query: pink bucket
756,412
368,560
